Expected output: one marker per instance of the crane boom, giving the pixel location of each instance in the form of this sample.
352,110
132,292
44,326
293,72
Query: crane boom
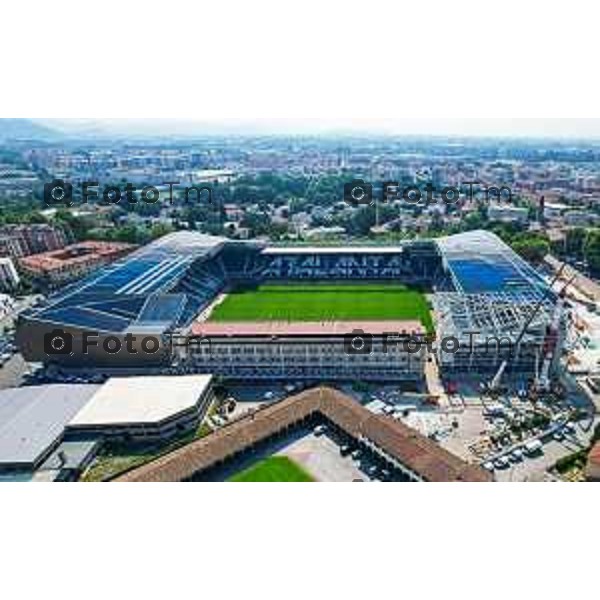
551,339
495,383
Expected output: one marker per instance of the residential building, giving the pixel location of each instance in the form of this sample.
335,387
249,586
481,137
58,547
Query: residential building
9,278
74,261
23,240
12,245
580,218
508,213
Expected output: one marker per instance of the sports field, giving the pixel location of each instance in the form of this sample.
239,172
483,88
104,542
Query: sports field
273,469
325,302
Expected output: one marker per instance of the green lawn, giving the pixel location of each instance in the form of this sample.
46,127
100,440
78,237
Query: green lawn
116,459
325,302
273,469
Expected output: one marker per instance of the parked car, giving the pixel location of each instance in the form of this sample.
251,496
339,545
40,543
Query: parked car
518,455
534,447
320,430
372,471
346,450
356,454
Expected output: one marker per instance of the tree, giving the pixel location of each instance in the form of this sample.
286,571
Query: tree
575,239
591,250
75,227
474,220
160,229
532,249
257,222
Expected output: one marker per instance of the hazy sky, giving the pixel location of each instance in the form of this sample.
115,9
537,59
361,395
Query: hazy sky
527,127
564,128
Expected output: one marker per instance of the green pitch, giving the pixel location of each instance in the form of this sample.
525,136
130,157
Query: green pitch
273,469
325,302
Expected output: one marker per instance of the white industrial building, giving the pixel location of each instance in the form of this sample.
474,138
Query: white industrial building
145,407
54,431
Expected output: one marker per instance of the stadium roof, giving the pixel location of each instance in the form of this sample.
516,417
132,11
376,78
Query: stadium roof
285,329
32,420
294,250
116,296
496,291
138,400
479,262
155,288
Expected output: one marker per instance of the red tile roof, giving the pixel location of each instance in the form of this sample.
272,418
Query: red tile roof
423,456
84,252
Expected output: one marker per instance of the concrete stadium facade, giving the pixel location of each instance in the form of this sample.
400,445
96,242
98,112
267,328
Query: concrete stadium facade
155,294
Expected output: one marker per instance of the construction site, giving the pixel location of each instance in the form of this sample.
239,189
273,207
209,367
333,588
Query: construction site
536,406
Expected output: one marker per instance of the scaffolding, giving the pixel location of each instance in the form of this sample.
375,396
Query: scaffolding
487,327
495,293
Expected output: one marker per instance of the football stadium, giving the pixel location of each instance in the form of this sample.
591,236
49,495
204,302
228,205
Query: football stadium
248,310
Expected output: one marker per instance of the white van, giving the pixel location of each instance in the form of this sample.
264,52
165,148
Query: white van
532,448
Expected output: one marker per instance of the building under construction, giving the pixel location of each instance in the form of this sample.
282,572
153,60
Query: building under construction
496,308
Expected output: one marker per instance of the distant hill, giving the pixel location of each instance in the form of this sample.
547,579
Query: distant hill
175,129
25,129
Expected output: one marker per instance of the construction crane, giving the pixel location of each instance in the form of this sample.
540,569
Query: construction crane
542,383
493,387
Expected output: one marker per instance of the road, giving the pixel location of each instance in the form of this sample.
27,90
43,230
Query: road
535,469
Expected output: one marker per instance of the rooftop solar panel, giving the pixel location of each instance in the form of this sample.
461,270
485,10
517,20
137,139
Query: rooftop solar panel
152,269
128,307
157,276
83,317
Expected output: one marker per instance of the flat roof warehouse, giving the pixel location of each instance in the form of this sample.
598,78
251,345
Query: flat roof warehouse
33,420
37,420
124,401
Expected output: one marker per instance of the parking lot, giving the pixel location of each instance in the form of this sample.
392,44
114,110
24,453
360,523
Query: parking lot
327,455
13,369
535,468
321,457
488,432
250,397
